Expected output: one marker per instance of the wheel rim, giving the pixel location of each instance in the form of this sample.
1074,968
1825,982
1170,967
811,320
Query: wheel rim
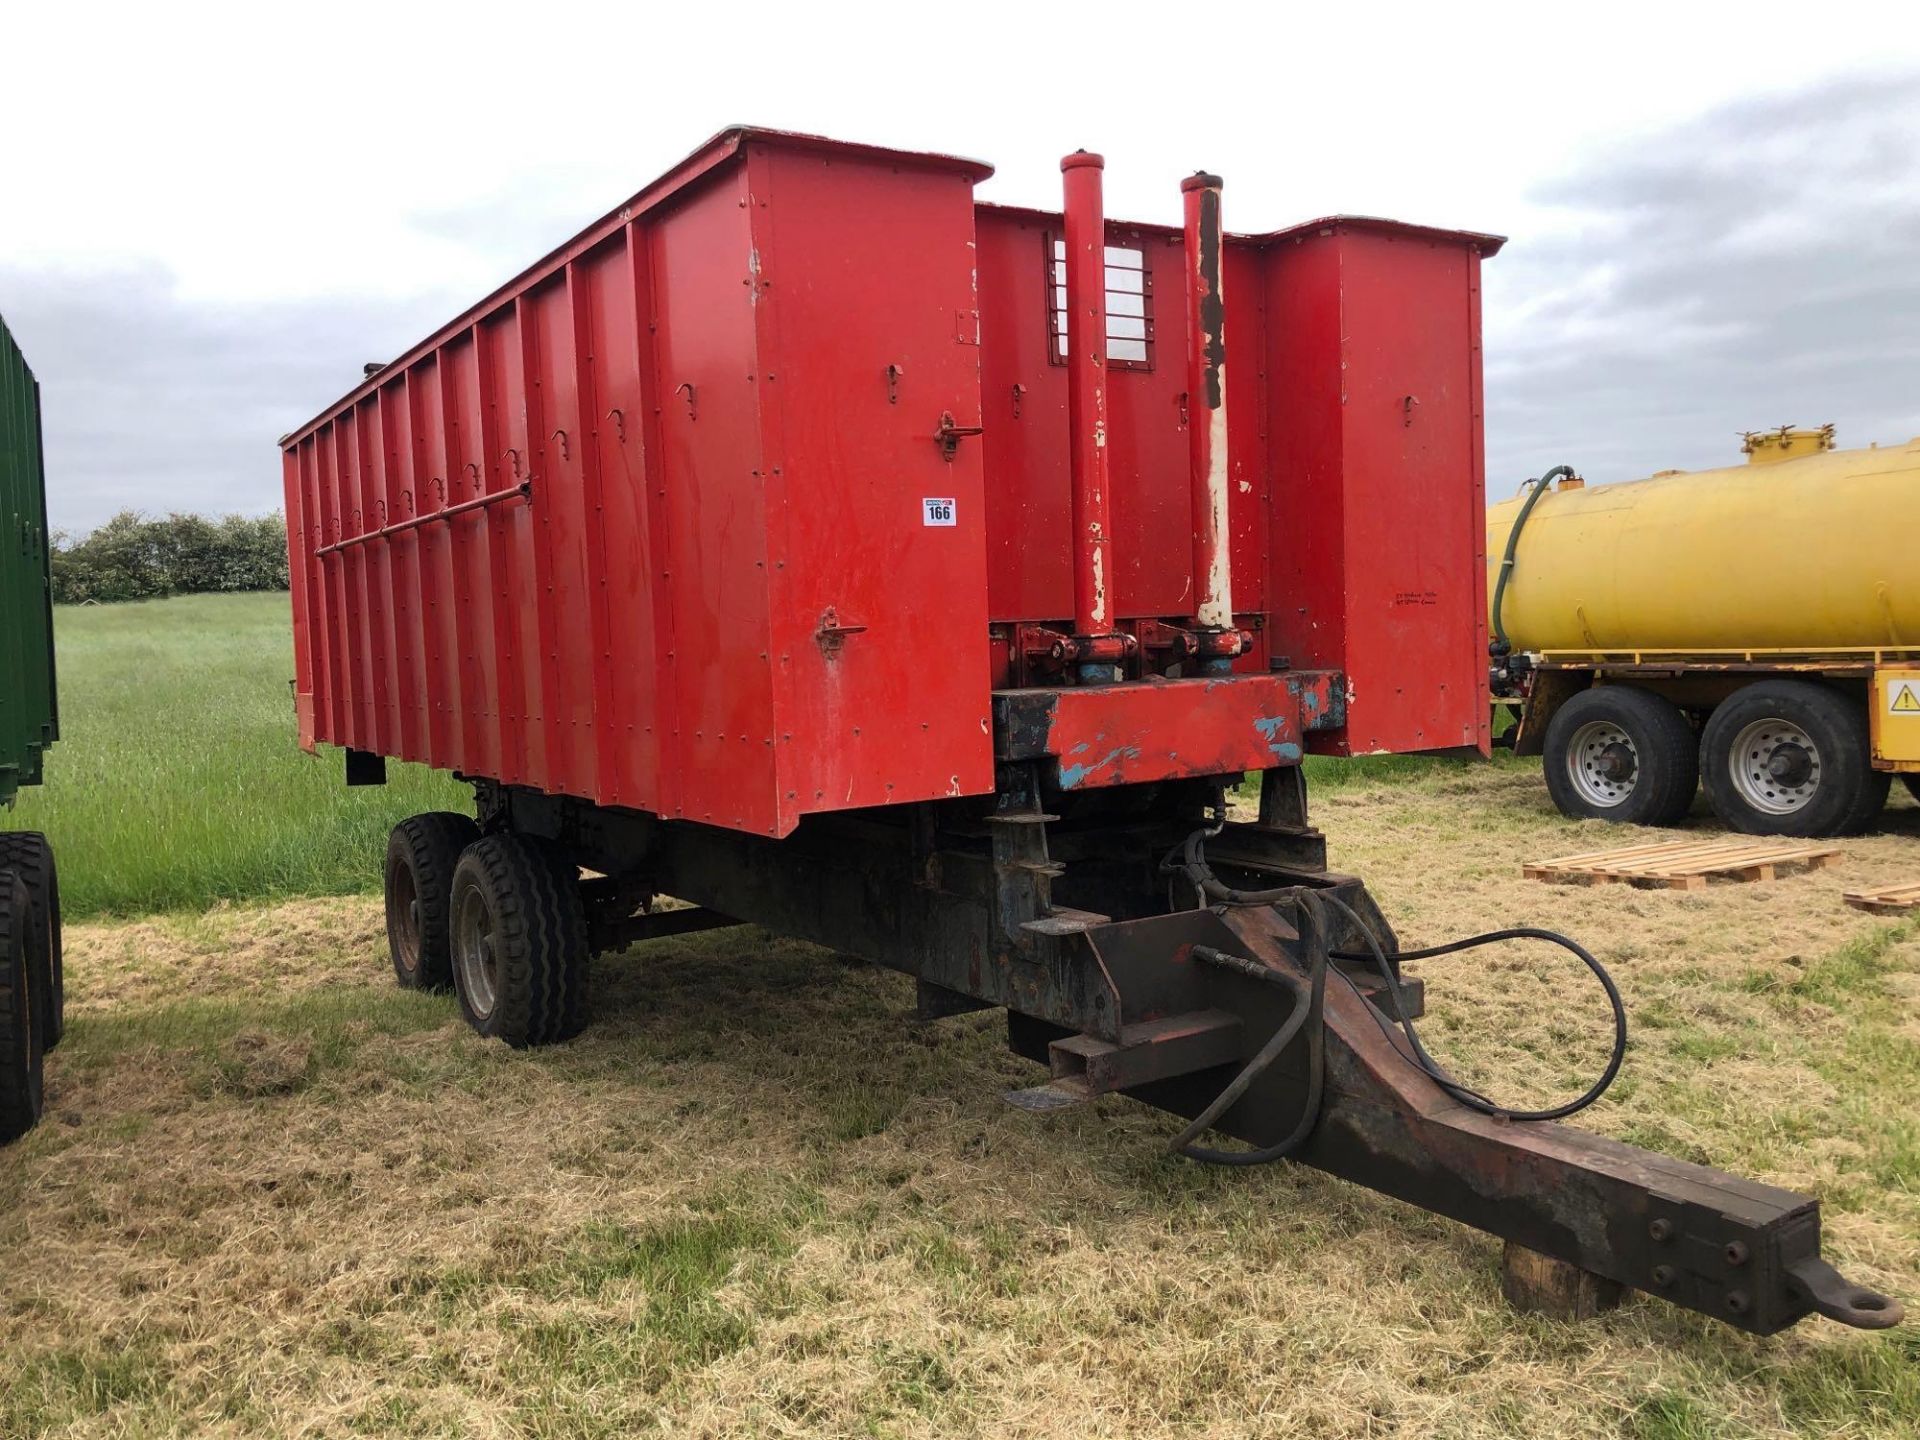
1775,766
1602,763
475,952
403,917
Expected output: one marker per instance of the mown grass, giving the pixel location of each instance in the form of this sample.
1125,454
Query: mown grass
178,781
752,1199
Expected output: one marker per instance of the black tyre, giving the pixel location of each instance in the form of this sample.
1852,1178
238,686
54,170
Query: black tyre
29,856
22,1091
1618,753
1912,782
421,854
1789,757
519,934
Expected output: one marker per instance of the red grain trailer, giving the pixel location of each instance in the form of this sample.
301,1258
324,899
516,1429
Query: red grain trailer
814,544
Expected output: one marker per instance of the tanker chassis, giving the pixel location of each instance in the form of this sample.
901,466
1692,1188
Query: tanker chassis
824,550
1752,631
32,1000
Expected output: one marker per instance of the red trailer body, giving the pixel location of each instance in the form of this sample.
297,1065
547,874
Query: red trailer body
791,544
693,517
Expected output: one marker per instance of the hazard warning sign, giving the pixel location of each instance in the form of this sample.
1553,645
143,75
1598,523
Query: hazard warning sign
1903,697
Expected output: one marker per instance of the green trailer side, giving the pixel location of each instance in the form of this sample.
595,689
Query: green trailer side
32,987
29,710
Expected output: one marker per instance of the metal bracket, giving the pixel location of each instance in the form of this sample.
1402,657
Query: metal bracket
833,633
951,433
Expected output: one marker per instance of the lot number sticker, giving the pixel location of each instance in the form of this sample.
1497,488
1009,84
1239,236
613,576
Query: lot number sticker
1903,698
938,512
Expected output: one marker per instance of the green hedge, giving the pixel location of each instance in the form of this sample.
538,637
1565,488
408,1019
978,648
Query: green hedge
132,557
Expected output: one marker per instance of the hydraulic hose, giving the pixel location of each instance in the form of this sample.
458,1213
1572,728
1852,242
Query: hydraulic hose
1473,1099
1501,645
1311,1015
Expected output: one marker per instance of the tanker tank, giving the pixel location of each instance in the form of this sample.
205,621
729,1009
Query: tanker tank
1753,631
1803,548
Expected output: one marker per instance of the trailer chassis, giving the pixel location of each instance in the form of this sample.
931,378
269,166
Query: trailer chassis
1057,908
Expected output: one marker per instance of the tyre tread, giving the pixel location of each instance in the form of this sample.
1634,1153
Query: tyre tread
29,855
1835,724
541,930
431,844
1669,759
22,1087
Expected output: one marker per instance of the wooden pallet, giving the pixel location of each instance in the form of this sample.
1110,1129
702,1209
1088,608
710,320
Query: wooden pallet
1887,900
1683,864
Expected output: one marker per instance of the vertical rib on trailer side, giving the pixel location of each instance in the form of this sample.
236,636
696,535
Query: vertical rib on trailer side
373,563
650,690
299,598
427,482
400,563
458,619
483,748
509,676
323,610
601,768
351,649
544,471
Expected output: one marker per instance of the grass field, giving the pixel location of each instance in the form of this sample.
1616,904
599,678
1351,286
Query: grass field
275,1195
177,781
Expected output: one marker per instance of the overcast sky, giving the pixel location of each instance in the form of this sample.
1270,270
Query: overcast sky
210,216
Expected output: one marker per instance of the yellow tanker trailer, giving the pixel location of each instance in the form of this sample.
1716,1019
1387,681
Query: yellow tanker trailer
1754,629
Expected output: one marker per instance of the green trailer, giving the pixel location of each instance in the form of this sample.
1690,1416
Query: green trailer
31,990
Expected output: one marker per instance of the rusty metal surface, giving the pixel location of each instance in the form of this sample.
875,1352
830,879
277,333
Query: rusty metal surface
1739,1250
1166,729
1171,729
1699,1237
1206,405
1085,343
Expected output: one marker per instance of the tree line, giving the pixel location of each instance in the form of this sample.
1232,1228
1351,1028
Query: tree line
135,557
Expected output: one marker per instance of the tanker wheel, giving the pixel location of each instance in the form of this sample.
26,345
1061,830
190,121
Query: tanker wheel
1789,757
519,942
29,856
421,855
22,1090
1912,782
1619,753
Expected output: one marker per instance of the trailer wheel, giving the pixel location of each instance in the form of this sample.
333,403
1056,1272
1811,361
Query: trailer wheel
1789,757
1619,753
421,854
22,1090
1912,782
519,934
29,856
